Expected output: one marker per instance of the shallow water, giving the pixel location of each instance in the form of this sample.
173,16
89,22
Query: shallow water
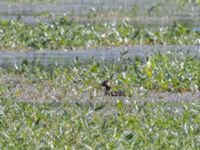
103,55
76,9
75,6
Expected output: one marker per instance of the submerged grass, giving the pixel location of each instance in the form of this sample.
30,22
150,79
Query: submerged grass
69,34
65,126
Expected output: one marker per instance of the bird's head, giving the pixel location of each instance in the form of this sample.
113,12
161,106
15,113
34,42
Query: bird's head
105,83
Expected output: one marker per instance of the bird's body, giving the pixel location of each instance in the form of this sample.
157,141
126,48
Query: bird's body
108,91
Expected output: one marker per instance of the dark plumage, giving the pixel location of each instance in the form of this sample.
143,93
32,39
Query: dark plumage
108,91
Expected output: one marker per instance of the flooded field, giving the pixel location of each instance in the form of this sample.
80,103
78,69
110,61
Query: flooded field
65,64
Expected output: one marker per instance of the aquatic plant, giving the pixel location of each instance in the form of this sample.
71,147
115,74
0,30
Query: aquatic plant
68,34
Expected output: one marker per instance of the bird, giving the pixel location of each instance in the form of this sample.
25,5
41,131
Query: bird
108,91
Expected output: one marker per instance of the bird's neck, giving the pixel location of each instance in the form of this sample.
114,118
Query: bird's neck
107,88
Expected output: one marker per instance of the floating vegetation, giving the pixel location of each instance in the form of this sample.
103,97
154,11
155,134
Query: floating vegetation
69,34
140,125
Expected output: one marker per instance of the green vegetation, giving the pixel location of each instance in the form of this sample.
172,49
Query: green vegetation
64,107
65,34
64,126
160,73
